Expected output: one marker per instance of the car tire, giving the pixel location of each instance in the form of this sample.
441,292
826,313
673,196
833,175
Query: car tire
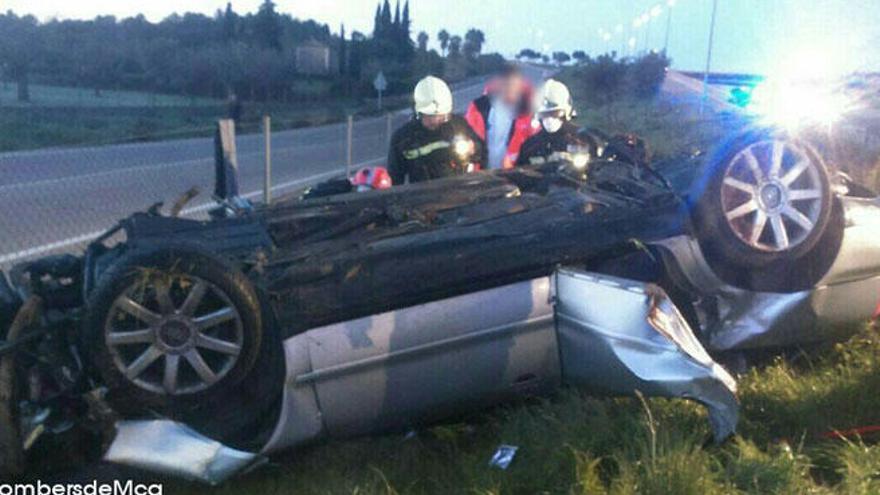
765,198
177,354
12,456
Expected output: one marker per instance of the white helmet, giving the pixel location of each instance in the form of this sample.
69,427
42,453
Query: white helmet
554,96
432,97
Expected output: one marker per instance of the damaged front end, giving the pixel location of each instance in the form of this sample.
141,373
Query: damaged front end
47,401
171,448
842,295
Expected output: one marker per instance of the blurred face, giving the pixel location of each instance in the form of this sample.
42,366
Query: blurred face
433,122
511,88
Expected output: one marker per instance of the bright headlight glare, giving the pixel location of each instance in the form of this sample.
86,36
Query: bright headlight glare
580,160
461,146
794,105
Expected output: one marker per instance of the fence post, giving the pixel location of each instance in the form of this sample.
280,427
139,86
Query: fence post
225,161
388,123
267,178
348,157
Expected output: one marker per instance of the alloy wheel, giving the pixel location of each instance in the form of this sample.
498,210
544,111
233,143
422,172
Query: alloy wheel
173,334
772,195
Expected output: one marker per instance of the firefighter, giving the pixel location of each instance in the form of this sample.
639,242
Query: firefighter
558,139
503,118
436,143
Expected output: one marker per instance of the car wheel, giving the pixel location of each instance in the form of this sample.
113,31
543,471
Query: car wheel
767,199
171,328
12,456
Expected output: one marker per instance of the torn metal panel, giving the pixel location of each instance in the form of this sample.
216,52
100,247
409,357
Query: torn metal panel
618,336
747,320
170,448
734,318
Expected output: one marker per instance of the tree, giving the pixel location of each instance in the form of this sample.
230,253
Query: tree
377,22
404,44
267,26
443,37
473,43
19,47
581,56
561,57
545,59
528,53
648,73
455,46
230,23
343,52
249,55
385,19
405,25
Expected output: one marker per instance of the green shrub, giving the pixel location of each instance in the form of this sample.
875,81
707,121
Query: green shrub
607,78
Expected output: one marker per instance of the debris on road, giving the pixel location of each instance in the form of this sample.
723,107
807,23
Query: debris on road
503,456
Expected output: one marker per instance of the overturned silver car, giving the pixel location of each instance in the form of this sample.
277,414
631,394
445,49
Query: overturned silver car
273,326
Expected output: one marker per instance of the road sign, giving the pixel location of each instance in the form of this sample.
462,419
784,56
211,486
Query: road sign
381,84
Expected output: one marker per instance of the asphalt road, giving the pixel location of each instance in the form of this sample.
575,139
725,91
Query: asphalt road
687,90
57,200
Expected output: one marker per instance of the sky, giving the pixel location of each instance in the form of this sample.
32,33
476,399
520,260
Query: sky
751,36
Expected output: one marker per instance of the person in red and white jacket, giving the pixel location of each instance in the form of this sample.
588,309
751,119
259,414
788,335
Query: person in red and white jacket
503,118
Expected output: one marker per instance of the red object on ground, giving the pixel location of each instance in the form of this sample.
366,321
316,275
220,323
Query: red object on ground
369,178
860,431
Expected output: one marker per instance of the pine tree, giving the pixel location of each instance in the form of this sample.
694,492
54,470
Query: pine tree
385,20
377,22
405,24
407,50
397,16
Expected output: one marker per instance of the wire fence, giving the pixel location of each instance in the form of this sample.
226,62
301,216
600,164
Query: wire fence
131,154
58,200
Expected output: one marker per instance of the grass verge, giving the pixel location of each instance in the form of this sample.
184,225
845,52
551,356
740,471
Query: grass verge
576,444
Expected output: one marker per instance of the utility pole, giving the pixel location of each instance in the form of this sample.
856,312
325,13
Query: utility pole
709,57
668,26
349,142
267,165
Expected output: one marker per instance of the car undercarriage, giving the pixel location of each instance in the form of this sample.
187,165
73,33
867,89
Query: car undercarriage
269,327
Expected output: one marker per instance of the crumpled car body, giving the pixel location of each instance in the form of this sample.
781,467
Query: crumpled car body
420,364
392,309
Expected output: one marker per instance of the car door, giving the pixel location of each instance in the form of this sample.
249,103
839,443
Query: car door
619,336
422,363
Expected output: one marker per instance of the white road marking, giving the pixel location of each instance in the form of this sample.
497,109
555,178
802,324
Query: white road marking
145,168
52,246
